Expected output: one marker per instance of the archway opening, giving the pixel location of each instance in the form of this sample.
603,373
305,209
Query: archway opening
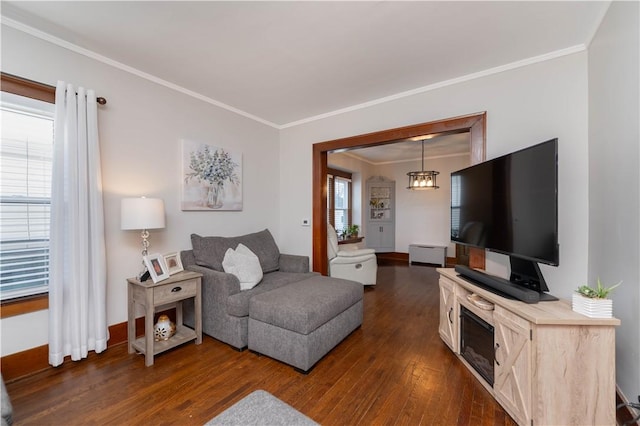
475,124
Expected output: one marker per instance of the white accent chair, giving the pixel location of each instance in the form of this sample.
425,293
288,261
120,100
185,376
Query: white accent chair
358,265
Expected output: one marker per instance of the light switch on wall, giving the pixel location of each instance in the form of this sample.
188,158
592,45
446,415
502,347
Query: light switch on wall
306,222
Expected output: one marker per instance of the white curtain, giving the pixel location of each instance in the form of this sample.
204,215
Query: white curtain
77,268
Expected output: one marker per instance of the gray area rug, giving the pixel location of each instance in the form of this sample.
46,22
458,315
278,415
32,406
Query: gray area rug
261,408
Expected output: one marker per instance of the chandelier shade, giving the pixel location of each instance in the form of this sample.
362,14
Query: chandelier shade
423,179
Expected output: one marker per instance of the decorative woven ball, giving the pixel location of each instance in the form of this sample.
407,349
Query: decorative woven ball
164,328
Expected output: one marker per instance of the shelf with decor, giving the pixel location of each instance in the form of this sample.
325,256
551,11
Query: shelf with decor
380,223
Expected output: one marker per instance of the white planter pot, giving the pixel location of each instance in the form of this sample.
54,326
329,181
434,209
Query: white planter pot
593,308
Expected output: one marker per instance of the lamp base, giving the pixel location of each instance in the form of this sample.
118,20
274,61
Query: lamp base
144,276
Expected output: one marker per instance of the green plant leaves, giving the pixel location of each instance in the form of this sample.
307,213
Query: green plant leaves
600,292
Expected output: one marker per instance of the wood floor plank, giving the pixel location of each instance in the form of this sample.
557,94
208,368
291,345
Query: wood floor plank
393,370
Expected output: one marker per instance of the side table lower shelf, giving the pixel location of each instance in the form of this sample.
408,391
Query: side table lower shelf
183,335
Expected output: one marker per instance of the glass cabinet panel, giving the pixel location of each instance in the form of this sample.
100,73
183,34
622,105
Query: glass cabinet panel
380,218
380,203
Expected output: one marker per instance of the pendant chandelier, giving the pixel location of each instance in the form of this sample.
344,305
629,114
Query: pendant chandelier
424,179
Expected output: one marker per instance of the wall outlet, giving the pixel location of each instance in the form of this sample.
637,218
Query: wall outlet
306,222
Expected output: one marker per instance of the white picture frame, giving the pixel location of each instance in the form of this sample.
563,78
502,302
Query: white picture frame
156,267
173,262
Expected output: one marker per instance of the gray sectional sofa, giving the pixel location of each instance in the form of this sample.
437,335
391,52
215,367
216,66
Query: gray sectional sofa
225,309
298,316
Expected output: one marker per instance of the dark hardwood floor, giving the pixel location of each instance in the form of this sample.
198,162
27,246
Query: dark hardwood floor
392,370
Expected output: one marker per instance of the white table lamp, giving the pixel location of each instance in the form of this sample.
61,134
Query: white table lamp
143,214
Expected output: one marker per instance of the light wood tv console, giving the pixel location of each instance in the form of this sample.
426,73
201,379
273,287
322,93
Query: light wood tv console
552,366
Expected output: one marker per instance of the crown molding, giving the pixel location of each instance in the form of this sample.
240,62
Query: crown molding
491,71
126,68
108,61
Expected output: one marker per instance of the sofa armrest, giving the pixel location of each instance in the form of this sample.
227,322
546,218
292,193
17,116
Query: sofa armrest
352,259
220,284
356,252
187,258
7,408
294,263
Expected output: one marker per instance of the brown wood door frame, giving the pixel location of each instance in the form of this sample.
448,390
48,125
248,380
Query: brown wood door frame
475,124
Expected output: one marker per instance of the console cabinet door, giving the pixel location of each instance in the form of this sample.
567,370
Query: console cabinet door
448,315
512,380
382,236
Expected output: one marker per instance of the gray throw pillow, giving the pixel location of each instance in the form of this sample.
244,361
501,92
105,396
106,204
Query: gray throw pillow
210,251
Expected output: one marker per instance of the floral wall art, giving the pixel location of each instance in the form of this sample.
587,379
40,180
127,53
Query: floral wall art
211,177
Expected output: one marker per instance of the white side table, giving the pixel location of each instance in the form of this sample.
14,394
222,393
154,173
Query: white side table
161,296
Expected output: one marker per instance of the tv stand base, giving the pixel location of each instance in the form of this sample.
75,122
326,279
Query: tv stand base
552,365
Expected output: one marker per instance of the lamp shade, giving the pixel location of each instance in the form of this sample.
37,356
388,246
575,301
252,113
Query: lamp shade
141,213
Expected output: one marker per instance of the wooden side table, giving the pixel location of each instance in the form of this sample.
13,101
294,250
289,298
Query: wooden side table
166,294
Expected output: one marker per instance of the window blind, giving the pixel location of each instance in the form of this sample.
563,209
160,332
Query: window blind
25,197
339,199
455,206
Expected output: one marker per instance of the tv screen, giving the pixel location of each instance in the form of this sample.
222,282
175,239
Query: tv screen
510,204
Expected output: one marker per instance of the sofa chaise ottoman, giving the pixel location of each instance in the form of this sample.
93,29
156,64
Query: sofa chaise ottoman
300,323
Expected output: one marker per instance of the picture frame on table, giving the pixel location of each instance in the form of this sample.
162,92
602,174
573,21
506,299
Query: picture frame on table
173,262
156,267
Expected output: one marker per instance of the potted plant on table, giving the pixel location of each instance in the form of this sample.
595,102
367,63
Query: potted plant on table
594,302
352,231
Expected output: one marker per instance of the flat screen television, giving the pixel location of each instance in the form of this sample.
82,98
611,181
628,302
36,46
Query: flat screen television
509,205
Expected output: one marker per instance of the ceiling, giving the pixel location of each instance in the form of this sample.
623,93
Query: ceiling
283,63
411,150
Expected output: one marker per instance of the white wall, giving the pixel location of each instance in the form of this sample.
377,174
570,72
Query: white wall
140,132
424,217
614,184
524,106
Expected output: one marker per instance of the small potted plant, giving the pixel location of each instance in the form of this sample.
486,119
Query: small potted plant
353,231
594,302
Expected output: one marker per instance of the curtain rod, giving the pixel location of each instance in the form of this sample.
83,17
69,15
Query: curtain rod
7,79
99,99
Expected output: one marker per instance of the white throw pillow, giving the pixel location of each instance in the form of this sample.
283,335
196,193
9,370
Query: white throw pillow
244,264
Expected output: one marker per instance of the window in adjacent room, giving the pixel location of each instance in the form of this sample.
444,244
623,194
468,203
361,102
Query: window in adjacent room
339,199
25,194
455,206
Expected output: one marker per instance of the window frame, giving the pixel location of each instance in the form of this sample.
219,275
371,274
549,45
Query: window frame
455,205
42,92
333,173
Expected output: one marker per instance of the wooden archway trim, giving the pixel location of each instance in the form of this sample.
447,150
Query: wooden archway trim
475,124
